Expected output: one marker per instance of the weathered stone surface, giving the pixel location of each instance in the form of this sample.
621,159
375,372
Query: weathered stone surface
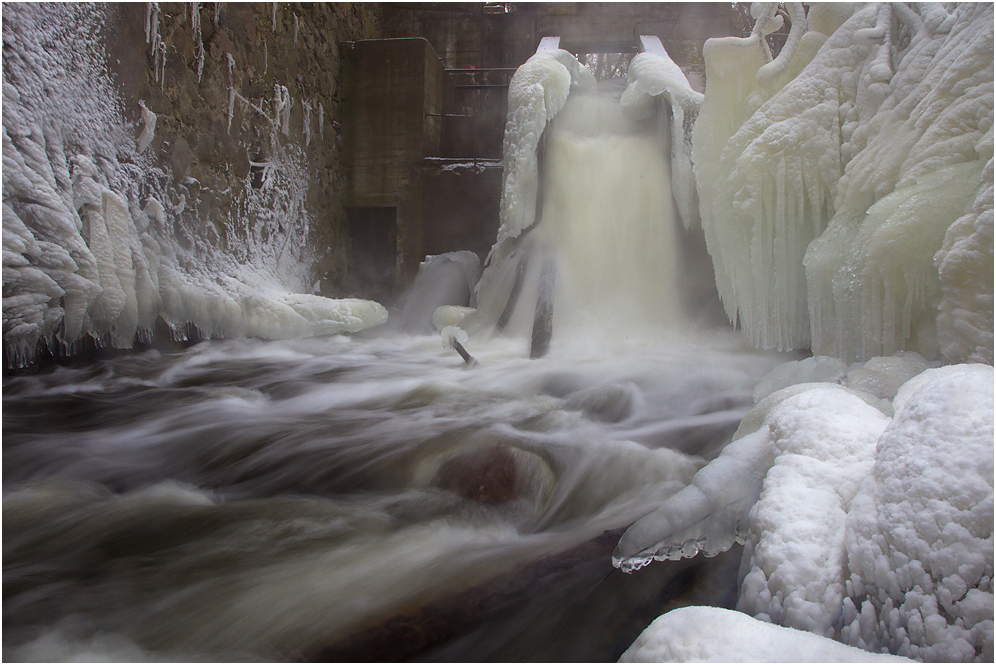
299,50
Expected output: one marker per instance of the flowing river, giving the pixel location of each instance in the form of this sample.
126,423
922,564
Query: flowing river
356,497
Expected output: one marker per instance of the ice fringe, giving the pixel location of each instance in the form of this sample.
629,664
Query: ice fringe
88,245
824,181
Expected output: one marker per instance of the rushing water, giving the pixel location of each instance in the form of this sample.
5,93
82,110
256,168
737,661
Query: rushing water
248,499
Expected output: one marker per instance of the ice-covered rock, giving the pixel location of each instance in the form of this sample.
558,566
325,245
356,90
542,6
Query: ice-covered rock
716,635
920,533
816,369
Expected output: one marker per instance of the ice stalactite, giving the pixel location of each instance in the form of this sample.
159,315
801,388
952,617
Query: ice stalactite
90,248
195,22
824,179
306,128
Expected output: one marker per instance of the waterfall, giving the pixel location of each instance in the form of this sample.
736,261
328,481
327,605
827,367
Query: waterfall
605,233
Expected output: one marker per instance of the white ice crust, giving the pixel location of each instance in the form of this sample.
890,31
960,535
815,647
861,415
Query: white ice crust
92,244
716,635
874,530
846,186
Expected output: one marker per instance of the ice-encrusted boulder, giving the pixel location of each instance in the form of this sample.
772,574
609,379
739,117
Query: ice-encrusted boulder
874,530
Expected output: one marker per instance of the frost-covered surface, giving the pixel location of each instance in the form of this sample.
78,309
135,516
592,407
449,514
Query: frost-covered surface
874,530
824,442
95,240
716,635
842,190
651,75
537,91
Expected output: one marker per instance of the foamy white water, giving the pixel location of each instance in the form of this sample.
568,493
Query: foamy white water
268,499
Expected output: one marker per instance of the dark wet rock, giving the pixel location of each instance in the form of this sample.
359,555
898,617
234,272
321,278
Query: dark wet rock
570,605
487,475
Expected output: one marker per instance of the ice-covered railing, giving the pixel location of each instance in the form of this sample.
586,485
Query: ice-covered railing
831,176
94,240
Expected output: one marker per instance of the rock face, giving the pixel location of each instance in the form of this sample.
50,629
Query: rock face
270,56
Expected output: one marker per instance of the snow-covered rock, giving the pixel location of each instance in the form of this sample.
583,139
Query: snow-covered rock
873,530
716,635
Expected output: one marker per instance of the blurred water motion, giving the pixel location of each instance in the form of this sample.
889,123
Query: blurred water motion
284,500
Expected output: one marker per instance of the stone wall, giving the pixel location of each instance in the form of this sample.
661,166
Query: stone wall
251,48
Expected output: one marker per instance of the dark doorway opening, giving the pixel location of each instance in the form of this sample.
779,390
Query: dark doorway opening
373,240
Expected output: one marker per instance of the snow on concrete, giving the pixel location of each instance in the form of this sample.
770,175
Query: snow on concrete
716,635
842,185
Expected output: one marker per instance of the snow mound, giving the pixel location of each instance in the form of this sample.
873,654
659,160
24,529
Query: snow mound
824,441
920,533
874,530
716,635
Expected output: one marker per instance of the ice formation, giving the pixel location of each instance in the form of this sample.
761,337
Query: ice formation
846,187
652,75
874,530
90,248
920,532
716,635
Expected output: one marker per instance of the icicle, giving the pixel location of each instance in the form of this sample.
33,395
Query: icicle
306,105
296,27
217,12
152,26
274,17
149,128
231,90
195,22
321,121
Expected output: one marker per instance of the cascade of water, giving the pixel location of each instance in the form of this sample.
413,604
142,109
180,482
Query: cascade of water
605,222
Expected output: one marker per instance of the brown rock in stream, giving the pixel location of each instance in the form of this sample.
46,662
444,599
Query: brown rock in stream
488,476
